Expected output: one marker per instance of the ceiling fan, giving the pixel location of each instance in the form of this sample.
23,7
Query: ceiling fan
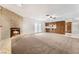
52,16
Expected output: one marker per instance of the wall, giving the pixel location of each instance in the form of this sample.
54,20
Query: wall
0,31
8,19
5,28
75,27
14,18
28,25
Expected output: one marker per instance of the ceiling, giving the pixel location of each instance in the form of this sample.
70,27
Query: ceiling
39,11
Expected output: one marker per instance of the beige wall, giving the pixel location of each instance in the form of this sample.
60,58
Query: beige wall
12,17
0,33
8,19
5,28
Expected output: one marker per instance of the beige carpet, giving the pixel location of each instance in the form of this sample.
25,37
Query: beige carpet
45,43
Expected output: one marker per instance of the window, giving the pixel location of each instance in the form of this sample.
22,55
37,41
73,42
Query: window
38,27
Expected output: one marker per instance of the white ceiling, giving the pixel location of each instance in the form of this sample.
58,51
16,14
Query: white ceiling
39,11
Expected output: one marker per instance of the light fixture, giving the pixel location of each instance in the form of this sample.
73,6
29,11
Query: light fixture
52,16
49,16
